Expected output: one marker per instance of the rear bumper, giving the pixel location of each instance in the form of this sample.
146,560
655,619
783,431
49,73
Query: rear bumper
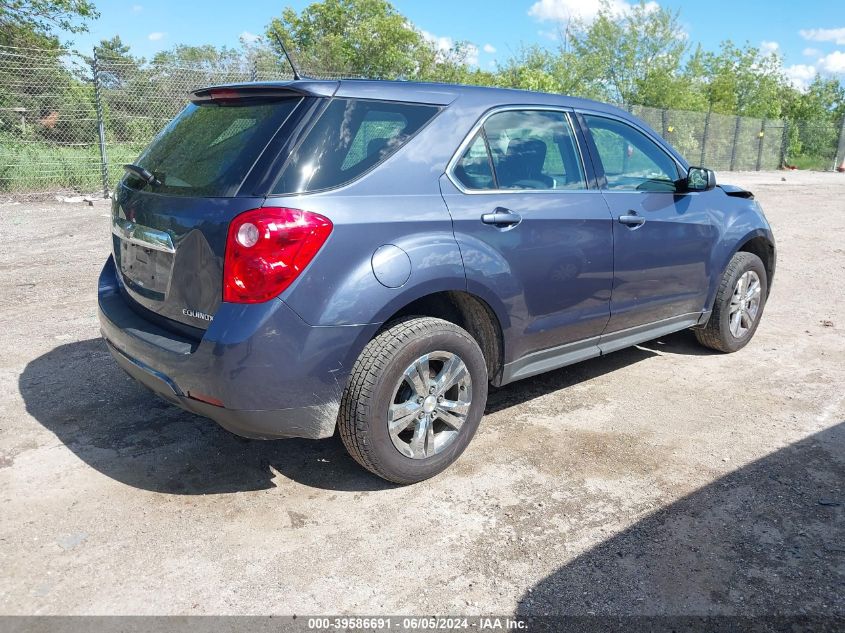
275,375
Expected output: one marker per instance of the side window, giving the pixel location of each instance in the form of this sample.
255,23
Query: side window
377,132
527,149
350,137
631,160
534,149
474,170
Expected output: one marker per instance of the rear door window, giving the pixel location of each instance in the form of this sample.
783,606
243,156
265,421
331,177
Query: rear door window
474,170
209,148
528,149
351,137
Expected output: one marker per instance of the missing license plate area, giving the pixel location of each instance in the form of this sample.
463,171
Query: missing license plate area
146,268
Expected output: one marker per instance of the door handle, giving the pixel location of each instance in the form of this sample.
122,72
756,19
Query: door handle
632,219
501,218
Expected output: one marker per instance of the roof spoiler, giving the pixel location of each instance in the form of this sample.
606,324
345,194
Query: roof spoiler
268,90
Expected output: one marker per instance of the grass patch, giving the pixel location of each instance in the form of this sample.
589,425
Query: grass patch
42,167
816,163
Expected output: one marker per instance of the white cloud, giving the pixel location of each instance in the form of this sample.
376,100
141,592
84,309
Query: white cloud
586,10
489,48
137,8
249,38
824,35
444,45
800,75
155,36
811,52
833,63
471,55
767,48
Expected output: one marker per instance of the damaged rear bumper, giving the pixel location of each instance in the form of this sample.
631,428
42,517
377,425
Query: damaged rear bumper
259,370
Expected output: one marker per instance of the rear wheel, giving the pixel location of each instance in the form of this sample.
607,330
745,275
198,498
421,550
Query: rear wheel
739,305
414,400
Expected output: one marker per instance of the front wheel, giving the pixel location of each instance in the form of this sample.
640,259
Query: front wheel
739,305
414,400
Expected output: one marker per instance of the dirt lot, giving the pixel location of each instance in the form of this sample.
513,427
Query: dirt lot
659,480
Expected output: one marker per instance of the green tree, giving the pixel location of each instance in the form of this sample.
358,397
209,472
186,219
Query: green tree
815,117
536,68
742,81
208,58
631,58
692,93
56,104
116,64
452,71
264,63
34,22
172,74
824,100
353,37
451,66
125,91
114,49
52,101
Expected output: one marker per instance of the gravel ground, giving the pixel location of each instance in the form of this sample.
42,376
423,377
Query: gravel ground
658,480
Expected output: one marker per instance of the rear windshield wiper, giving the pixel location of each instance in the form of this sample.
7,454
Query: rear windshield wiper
144,174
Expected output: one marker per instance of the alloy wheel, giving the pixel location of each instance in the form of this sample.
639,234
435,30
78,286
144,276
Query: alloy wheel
745,303
430,404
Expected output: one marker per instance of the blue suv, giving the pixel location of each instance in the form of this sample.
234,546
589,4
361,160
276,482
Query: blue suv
301,258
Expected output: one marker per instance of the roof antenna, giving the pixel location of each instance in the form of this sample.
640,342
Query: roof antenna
293,67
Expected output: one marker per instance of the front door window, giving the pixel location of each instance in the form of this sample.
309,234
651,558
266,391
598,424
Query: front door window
631,160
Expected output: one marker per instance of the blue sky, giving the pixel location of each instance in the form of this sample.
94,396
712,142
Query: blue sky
810,34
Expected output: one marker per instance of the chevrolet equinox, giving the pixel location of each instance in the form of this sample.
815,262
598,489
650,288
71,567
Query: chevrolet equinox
298,258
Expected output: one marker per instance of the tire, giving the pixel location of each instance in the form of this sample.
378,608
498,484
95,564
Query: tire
717,334
378,389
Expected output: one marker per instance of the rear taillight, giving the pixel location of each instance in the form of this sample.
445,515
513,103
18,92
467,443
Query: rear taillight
267,248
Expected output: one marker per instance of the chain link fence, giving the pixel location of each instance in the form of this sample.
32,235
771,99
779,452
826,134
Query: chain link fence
68,121
48,122
731,143
718,141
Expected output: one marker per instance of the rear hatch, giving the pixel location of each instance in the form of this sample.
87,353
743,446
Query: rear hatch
209,165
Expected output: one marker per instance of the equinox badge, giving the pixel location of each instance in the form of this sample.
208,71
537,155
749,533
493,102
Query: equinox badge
197,314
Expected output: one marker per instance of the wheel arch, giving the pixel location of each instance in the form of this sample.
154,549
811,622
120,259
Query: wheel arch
757,241
467,311
762,246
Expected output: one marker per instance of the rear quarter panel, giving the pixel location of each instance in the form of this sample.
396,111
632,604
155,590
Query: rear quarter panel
397,203
340,286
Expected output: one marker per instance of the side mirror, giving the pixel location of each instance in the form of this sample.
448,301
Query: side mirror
700,179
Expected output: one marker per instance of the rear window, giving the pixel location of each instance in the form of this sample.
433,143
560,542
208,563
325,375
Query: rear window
349,138
209,148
